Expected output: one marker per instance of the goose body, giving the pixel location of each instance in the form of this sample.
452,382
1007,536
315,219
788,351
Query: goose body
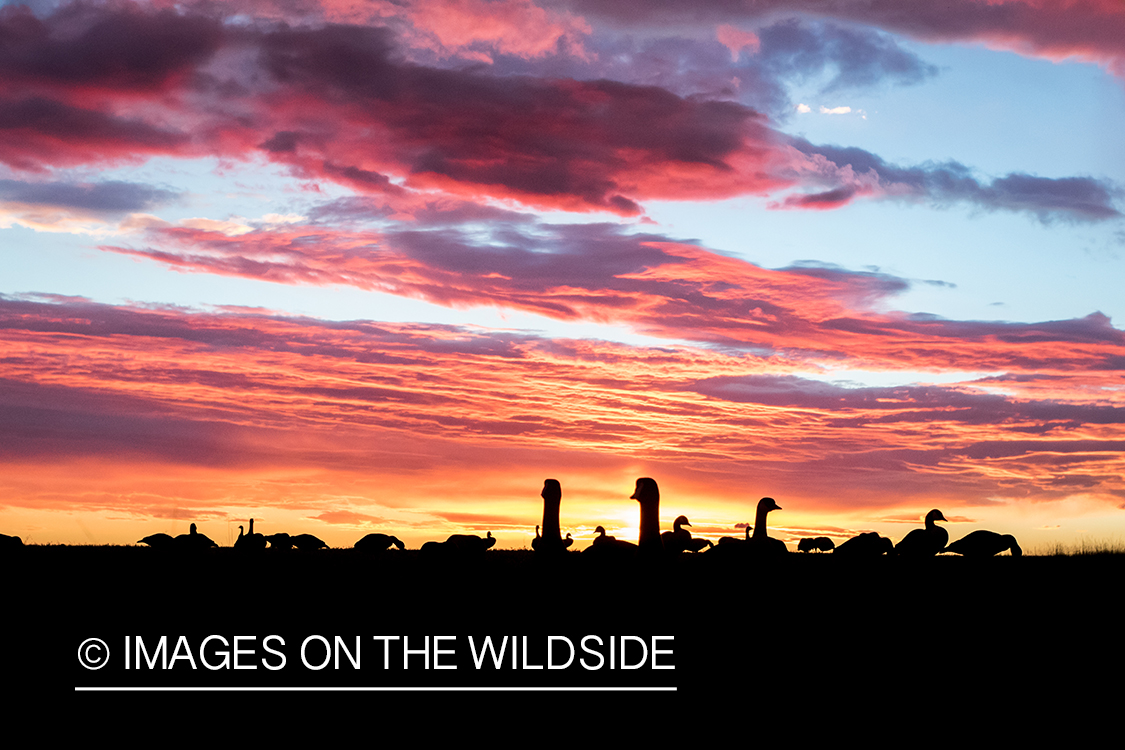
819,544
609,547
307,542
680,539
458,547
868,544
159,541
726,540
925,542
378,543
193,540
281,540
985,544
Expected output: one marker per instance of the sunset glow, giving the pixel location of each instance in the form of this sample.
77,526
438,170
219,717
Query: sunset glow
348,267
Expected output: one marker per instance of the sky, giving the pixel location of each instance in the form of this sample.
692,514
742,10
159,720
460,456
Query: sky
347,266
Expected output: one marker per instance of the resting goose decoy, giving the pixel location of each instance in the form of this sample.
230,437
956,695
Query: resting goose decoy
985,544
193,540
647,494
458,547
680,539
159,541
470,543
608,548
866,545
378,543
281,540
307,542
736,540
760,543
819,544
925,542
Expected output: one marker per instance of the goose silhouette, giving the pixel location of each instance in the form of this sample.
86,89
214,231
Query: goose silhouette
647,494
551,541
760,544
819,544
159,541
735,540
868,544
378,543
458,547
193,540
250,541
985,544
680,539
609,547
307,542
280,540
925,542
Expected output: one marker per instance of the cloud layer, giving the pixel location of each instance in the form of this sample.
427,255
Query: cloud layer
102,85
259,401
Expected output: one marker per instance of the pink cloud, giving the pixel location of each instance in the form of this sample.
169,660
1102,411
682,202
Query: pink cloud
736,40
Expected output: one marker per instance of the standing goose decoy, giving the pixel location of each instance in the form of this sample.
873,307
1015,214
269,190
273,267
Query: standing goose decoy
647,494
760,543
925,542
378,543
866,545
985,544
249,541
551,541
680,539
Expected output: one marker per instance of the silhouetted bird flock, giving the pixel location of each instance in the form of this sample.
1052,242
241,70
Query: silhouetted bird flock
919,543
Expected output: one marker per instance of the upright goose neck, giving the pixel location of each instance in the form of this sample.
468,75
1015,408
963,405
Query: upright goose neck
760,522
650,524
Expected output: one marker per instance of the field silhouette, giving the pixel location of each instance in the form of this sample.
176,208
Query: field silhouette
934,625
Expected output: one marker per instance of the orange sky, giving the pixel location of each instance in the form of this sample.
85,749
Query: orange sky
128,421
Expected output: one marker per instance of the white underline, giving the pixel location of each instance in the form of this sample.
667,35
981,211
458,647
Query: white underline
370,689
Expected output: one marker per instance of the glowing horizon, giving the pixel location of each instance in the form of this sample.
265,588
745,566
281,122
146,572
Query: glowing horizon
351,267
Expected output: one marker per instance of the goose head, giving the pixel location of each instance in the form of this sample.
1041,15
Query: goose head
646,491
768,503
552,490
1014,548
934,515
489,540
191,529
398,543
680,521
600,531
